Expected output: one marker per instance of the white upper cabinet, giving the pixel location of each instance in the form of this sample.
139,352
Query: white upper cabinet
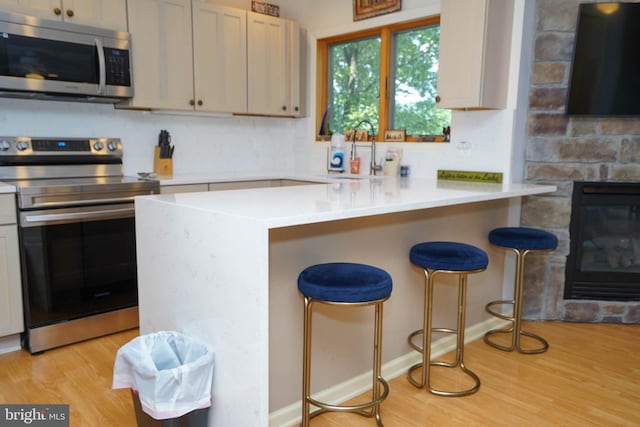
276,51
219,58
188,56
162,54
298,49
192,55
475,43
110,14
269,71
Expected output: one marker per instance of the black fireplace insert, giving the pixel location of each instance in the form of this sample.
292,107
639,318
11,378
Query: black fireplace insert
604,257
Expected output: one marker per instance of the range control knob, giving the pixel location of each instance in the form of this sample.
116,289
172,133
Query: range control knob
98,146
112,146
4,145
22,145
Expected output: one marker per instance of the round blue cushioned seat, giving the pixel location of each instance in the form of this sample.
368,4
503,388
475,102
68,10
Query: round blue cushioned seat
448,256
344,282
523,238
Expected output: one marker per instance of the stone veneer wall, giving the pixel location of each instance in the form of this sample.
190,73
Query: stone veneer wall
560,150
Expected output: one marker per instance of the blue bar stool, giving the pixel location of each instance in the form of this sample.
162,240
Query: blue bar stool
352,285
444,258
522,241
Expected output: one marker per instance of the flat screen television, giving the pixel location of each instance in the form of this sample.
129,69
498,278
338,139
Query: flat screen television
605,71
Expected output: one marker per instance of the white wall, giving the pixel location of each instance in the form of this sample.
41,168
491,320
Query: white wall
249,144
203,144
488,133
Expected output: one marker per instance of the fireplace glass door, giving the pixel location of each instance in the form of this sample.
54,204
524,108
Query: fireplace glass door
604,258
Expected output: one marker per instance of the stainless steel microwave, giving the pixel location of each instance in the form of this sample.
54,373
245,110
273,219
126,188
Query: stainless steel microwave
42,59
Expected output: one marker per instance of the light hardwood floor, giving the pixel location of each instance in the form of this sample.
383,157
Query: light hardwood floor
589,377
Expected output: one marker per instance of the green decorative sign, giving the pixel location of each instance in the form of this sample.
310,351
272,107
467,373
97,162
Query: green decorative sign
471,176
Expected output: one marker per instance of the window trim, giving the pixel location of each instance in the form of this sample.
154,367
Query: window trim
385,33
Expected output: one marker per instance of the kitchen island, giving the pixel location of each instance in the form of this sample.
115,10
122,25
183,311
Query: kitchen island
222,267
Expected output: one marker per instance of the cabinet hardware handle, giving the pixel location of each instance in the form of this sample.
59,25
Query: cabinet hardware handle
70,13
284,108
437,98
192,102
57,10
200,102
297,109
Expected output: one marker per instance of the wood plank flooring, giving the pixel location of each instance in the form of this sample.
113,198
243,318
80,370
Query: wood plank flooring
589,377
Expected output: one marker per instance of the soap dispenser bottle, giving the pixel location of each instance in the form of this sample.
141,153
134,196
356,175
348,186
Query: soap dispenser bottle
336,153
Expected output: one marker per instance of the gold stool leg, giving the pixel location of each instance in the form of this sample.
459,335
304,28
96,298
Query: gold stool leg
426,332
516,320
377,365
306,364
380,387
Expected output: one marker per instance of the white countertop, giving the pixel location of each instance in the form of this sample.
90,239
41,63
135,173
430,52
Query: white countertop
341,197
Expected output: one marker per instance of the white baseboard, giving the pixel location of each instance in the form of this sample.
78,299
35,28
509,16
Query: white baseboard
290,415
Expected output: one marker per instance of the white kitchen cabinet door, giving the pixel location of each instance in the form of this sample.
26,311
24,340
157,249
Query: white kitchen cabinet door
475,42
162,54
110,14
47,9
219,58
11,321
298,49
268,65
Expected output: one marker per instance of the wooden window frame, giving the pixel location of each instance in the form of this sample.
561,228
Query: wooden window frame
385,33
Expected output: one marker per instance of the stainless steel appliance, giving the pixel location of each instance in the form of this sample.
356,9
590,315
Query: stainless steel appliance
77,236
44,59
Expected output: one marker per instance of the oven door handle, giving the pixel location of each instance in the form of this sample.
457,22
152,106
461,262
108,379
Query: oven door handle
35,219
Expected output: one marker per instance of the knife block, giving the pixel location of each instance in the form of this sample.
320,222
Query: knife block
162,166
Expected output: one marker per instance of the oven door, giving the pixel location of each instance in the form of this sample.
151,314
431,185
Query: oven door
77,262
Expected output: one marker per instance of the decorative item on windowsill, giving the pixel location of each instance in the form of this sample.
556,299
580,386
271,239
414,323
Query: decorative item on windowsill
265,8
446,132
393,135
163,154
363,9
324,133
356,135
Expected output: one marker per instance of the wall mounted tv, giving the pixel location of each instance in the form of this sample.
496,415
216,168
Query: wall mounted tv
605,72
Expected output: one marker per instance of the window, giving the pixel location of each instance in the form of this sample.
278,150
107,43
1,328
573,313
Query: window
386,75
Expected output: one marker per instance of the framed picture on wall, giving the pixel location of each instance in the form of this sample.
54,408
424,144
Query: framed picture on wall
363,9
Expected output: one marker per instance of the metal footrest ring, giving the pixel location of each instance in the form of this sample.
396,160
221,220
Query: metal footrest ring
542,341
454,364
515,342
488,308
360,409
446,393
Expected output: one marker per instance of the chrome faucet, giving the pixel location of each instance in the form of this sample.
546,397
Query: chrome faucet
373,166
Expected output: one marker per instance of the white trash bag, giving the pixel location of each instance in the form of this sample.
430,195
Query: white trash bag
172,373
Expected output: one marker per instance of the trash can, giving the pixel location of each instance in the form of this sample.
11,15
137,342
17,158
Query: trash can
170,376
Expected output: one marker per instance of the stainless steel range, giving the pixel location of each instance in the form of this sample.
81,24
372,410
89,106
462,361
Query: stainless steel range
77,236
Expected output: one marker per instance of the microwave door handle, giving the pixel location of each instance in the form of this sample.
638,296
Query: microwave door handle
102,76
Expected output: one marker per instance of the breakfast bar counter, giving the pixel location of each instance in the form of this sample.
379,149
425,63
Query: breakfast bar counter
222,267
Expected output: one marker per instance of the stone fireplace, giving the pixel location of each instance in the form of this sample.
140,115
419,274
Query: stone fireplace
561,150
